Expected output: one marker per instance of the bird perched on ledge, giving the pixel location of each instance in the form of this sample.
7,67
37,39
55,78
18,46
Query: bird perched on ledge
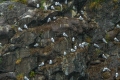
50,62
42,64
20,29
25,26
65,35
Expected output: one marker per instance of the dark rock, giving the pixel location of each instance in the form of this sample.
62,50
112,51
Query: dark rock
26,38
26,65
9,75
19,54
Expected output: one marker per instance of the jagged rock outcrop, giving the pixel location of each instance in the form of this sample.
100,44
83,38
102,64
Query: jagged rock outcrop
60,40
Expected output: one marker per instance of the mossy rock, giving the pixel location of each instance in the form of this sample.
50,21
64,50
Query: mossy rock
96,4
98,51
106,75
21,1
32,74
20,76
58,8
88,39
107,37
11,6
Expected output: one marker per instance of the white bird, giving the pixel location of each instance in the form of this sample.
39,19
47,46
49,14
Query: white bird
96,45
116,74
42,64
72,50
33,1
61,7
85,43
52,39
52,7
65,53
54,18
66,2
103,39
81,45
57,3
73,39
20,29
25,26
1,14
103,55
0,44
49,19
51,0
30,11
81,18
82,12
27,16
115,39
36,45
45,8
106,69
118,26
65,35
6,54
75,47
38,5
25,78
50,62
74,8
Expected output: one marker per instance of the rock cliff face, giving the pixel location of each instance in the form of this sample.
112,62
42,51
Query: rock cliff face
60,40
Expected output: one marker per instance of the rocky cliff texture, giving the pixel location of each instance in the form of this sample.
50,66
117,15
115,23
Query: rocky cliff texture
60,40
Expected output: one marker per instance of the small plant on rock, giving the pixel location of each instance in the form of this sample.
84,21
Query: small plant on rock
96,4
32,74
21,1
18,61
41,3
20,76
10,7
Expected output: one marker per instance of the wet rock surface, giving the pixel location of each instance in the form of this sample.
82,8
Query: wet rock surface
60,40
